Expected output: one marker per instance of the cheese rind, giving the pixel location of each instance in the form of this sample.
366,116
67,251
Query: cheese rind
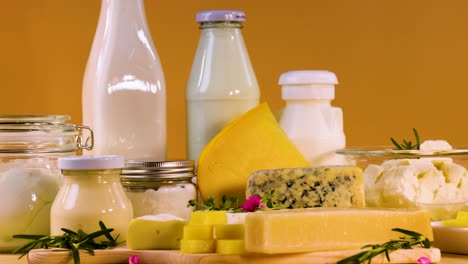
327,229
327,186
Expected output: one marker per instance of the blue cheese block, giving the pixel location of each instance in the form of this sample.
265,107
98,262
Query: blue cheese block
327,186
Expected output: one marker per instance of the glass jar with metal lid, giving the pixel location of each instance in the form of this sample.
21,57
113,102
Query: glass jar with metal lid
160,187
29,148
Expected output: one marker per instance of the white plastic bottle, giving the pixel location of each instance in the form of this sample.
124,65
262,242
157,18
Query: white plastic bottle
124,94
309,119
222,84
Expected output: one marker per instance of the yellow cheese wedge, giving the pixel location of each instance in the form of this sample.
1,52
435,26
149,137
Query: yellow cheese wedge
231,246
254,141
327,229
161,231
192,246
208,217
197,232
229,231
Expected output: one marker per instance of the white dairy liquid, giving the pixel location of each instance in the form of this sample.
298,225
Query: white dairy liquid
130,124
124,97
207,117
222,85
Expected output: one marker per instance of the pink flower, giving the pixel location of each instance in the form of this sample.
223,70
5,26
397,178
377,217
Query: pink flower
133,260
252,204
424,260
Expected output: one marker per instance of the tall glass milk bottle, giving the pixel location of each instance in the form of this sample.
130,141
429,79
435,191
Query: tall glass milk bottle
124,94
222,84
309,119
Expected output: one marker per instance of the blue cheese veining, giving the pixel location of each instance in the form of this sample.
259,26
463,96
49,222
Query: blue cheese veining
327,186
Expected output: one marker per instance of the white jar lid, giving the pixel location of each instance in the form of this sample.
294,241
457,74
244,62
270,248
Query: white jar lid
308,84
91,162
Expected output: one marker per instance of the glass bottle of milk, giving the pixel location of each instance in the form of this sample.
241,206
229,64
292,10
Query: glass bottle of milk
222,84
309,119
124,94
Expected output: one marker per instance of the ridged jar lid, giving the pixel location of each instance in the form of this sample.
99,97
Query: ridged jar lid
220,15
137,170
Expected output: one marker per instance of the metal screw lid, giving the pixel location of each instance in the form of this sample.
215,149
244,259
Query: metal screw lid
137,170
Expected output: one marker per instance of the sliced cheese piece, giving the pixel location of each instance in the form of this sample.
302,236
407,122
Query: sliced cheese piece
192,246
208,217
198,232
328,229
162,231
254,141
229,231
231,246
327,186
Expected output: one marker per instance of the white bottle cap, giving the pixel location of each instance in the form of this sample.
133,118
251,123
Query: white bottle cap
91,162
308,85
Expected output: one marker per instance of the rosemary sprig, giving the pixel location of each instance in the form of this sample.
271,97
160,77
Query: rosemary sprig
75,241
230,204
407,145
410,239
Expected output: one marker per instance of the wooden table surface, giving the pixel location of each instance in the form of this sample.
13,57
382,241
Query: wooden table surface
446,259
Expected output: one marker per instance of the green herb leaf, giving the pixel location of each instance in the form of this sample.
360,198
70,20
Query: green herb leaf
74,241
407,145
410,239
229,204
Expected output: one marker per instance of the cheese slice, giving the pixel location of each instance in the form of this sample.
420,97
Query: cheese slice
327,229
254,141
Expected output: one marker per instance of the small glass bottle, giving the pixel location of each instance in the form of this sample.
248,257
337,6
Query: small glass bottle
91,192
124,94
222,84
309,119
160,187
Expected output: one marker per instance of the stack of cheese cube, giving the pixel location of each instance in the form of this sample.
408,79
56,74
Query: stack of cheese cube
209,232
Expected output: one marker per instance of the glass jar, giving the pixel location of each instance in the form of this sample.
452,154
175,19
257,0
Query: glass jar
91,192
160,187
29,148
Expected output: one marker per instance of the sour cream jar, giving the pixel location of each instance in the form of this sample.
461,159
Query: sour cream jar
160,187
91,192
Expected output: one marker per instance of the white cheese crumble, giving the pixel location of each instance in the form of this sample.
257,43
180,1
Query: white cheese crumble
412,182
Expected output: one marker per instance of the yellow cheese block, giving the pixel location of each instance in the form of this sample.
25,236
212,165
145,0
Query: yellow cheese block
208,217
192,246
253,142
198,232
231,246
229,231
155,232
328,229
460,221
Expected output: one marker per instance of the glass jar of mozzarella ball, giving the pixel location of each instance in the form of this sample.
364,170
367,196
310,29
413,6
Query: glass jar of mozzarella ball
29,178
160,187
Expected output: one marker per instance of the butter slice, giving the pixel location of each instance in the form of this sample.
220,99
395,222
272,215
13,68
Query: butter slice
327,229
163,231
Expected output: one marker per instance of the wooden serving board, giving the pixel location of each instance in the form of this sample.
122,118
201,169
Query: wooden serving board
121,255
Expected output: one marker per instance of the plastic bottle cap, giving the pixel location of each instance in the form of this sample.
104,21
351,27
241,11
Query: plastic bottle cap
91,162
220,15
308,85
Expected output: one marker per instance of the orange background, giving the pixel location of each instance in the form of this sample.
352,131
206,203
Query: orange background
401,64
